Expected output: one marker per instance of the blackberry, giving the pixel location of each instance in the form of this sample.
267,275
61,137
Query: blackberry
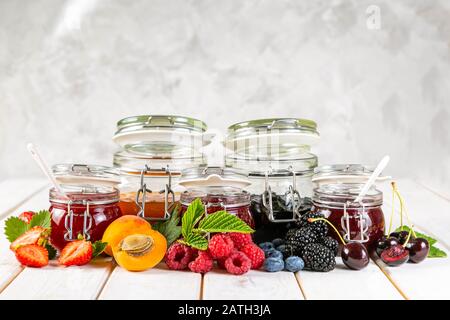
297,239
319,227
317,257
331,244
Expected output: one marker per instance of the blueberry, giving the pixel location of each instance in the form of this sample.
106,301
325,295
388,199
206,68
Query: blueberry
294,264
274,254
273,265
266,245
277,242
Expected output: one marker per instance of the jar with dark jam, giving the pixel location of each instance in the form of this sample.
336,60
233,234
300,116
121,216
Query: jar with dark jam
219,189
276,153
92,203
337,187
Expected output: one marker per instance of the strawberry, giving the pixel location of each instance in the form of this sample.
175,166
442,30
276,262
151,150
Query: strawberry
32,255
36,235
77,253
26,216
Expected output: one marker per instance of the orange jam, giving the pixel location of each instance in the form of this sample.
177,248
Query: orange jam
154,204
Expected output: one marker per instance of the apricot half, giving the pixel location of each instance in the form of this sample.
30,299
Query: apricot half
122,227
138,252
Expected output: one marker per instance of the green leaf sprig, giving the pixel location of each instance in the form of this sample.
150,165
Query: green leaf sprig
15,227
195,225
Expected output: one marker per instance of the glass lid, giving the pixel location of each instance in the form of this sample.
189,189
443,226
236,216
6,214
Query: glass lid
132,163
85,175
150,133
214,177
284,133
345,173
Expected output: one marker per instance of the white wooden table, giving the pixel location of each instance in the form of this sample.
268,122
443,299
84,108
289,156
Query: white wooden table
102,279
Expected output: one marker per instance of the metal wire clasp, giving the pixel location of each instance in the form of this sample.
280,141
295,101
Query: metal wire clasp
294,194
168,192
68,222
362,221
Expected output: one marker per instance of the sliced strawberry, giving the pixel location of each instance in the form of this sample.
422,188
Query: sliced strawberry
32,255
77,253
36,235
26,216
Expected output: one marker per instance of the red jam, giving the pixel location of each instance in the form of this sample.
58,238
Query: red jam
103,209
236,204
373,216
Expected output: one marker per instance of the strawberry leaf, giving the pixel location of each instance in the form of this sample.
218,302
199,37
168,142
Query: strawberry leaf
41,219
98,247
51,251
222,221
14,228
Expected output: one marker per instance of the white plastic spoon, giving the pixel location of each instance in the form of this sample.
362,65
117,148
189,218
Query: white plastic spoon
45,168
380,167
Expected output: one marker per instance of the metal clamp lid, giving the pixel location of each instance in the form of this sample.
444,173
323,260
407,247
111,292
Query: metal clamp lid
68,223
363,224
167,191
267,201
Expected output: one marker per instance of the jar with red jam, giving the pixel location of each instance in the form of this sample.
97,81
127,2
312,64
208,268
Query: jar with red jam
335,192
276,154
219,189
155,149
89,204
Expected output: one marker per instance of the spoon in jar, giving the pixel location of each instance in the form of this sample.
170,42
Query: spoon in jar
45,168
380,167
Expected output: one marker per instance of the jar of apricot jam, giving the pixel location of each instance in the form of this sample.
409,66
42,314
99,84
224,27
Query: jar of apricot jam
336,188
219,189
277,155
90,203
155,150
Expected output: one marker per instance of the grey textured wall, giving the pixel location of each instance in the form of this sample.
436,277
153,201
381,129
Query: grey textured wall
70,69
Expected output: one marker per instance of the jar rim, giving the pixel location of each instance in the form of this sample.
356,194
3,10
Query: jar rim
299,124
330,196
231,197
160,121
81,195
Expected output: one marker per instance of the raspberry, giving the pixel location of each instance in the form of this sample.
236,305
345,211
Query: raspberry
240,239
178,256
203,263
220,246
255,254
238,263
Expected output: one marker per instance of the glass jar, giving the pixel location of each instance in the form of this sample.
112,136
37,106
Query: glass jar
276,153
90,206
156,149
335,192
219,189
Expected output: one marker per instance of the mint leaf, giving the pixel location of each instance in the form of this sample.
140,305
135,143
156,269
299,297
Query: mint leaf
222,221
430,240
436,253
191,217
196,241
51,251
98,247
14,228
170,229
41,219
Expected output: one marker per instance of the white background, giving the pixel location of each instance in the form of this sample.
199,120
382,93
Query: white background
70,69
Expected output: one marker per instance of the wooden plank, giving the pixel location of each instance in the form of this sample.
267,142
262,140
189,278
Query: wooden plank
156,283
57,282
430,214
342,283
254,285
15,192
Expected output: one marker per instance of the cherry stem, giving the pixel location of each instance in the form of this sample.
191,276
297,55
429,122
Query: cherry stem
409,236
337,232
402,205
393,209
